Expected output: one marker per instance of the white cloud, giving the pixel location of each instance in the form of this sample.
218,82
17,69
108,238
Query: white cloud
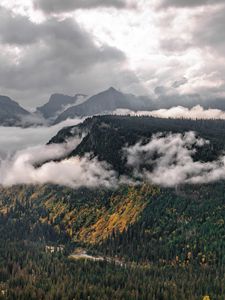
16,138
178,112
36,165
167,160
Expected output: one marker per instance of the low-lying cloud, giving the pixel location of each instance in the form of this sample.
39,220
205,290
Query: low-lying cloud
167,160
178,112
33,166
13,139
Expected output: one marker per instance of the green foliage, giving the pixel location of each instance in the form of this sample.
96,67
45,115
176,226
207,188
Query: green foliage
174,249
177,227
158,244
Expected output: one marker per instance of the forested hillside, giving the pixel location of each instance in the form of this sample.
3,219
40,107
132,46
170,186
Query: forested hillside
132,241
174,238
105,136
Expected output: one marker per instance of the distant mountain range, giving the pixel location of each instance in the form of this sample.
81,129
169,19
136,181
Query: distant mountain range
61,107
12,114
105,102
59,103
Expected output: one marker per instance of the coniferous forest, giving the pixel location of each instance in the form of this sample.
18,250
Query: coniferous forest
112,149
139,241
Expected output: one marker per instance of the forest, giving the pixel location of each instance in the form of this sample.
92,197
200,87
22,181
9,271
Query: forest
173,250
155,242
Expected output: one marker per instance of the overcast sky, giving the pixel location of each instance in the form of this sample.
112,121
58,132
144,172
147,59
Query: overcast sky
85,46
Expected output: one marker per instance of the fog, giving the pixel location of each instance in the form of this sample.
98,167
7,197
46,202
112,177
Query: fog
47,164
167,160
17,138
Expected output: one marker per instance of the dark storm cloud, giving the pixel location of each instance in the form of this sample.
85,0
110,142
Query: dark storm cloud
16,29
59,6
189,3
56,55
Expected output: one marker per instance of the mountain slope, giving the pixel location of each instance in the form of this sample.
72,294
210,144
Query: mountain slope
106,101
85,216
105,136
172,249
143,241
57,104
11,113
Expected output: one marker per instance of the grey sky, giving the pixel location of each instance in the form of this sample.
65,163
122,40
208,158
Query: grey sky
56,6
188,3
50,46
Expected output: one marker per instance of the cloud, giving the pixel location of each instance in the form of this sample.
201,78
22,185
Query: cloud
178,112
195,38
58,6
212,39
56,55
23,160
189,3
167,161
16,29
179,82
13,139
75,172
73,52
174,45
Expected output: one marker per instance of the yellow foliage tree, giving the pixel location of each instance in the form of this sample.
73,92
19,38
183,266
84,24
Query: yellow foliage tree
206,298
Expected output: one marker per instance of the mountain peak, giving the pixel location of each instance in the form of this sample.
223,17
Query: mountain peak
58,103
112,89
11,113
105,102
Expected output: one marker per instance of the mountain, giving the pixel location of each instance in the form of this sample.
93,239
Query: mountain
162,242
105,136
12,114
59,103
106,101
134,241
61,107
